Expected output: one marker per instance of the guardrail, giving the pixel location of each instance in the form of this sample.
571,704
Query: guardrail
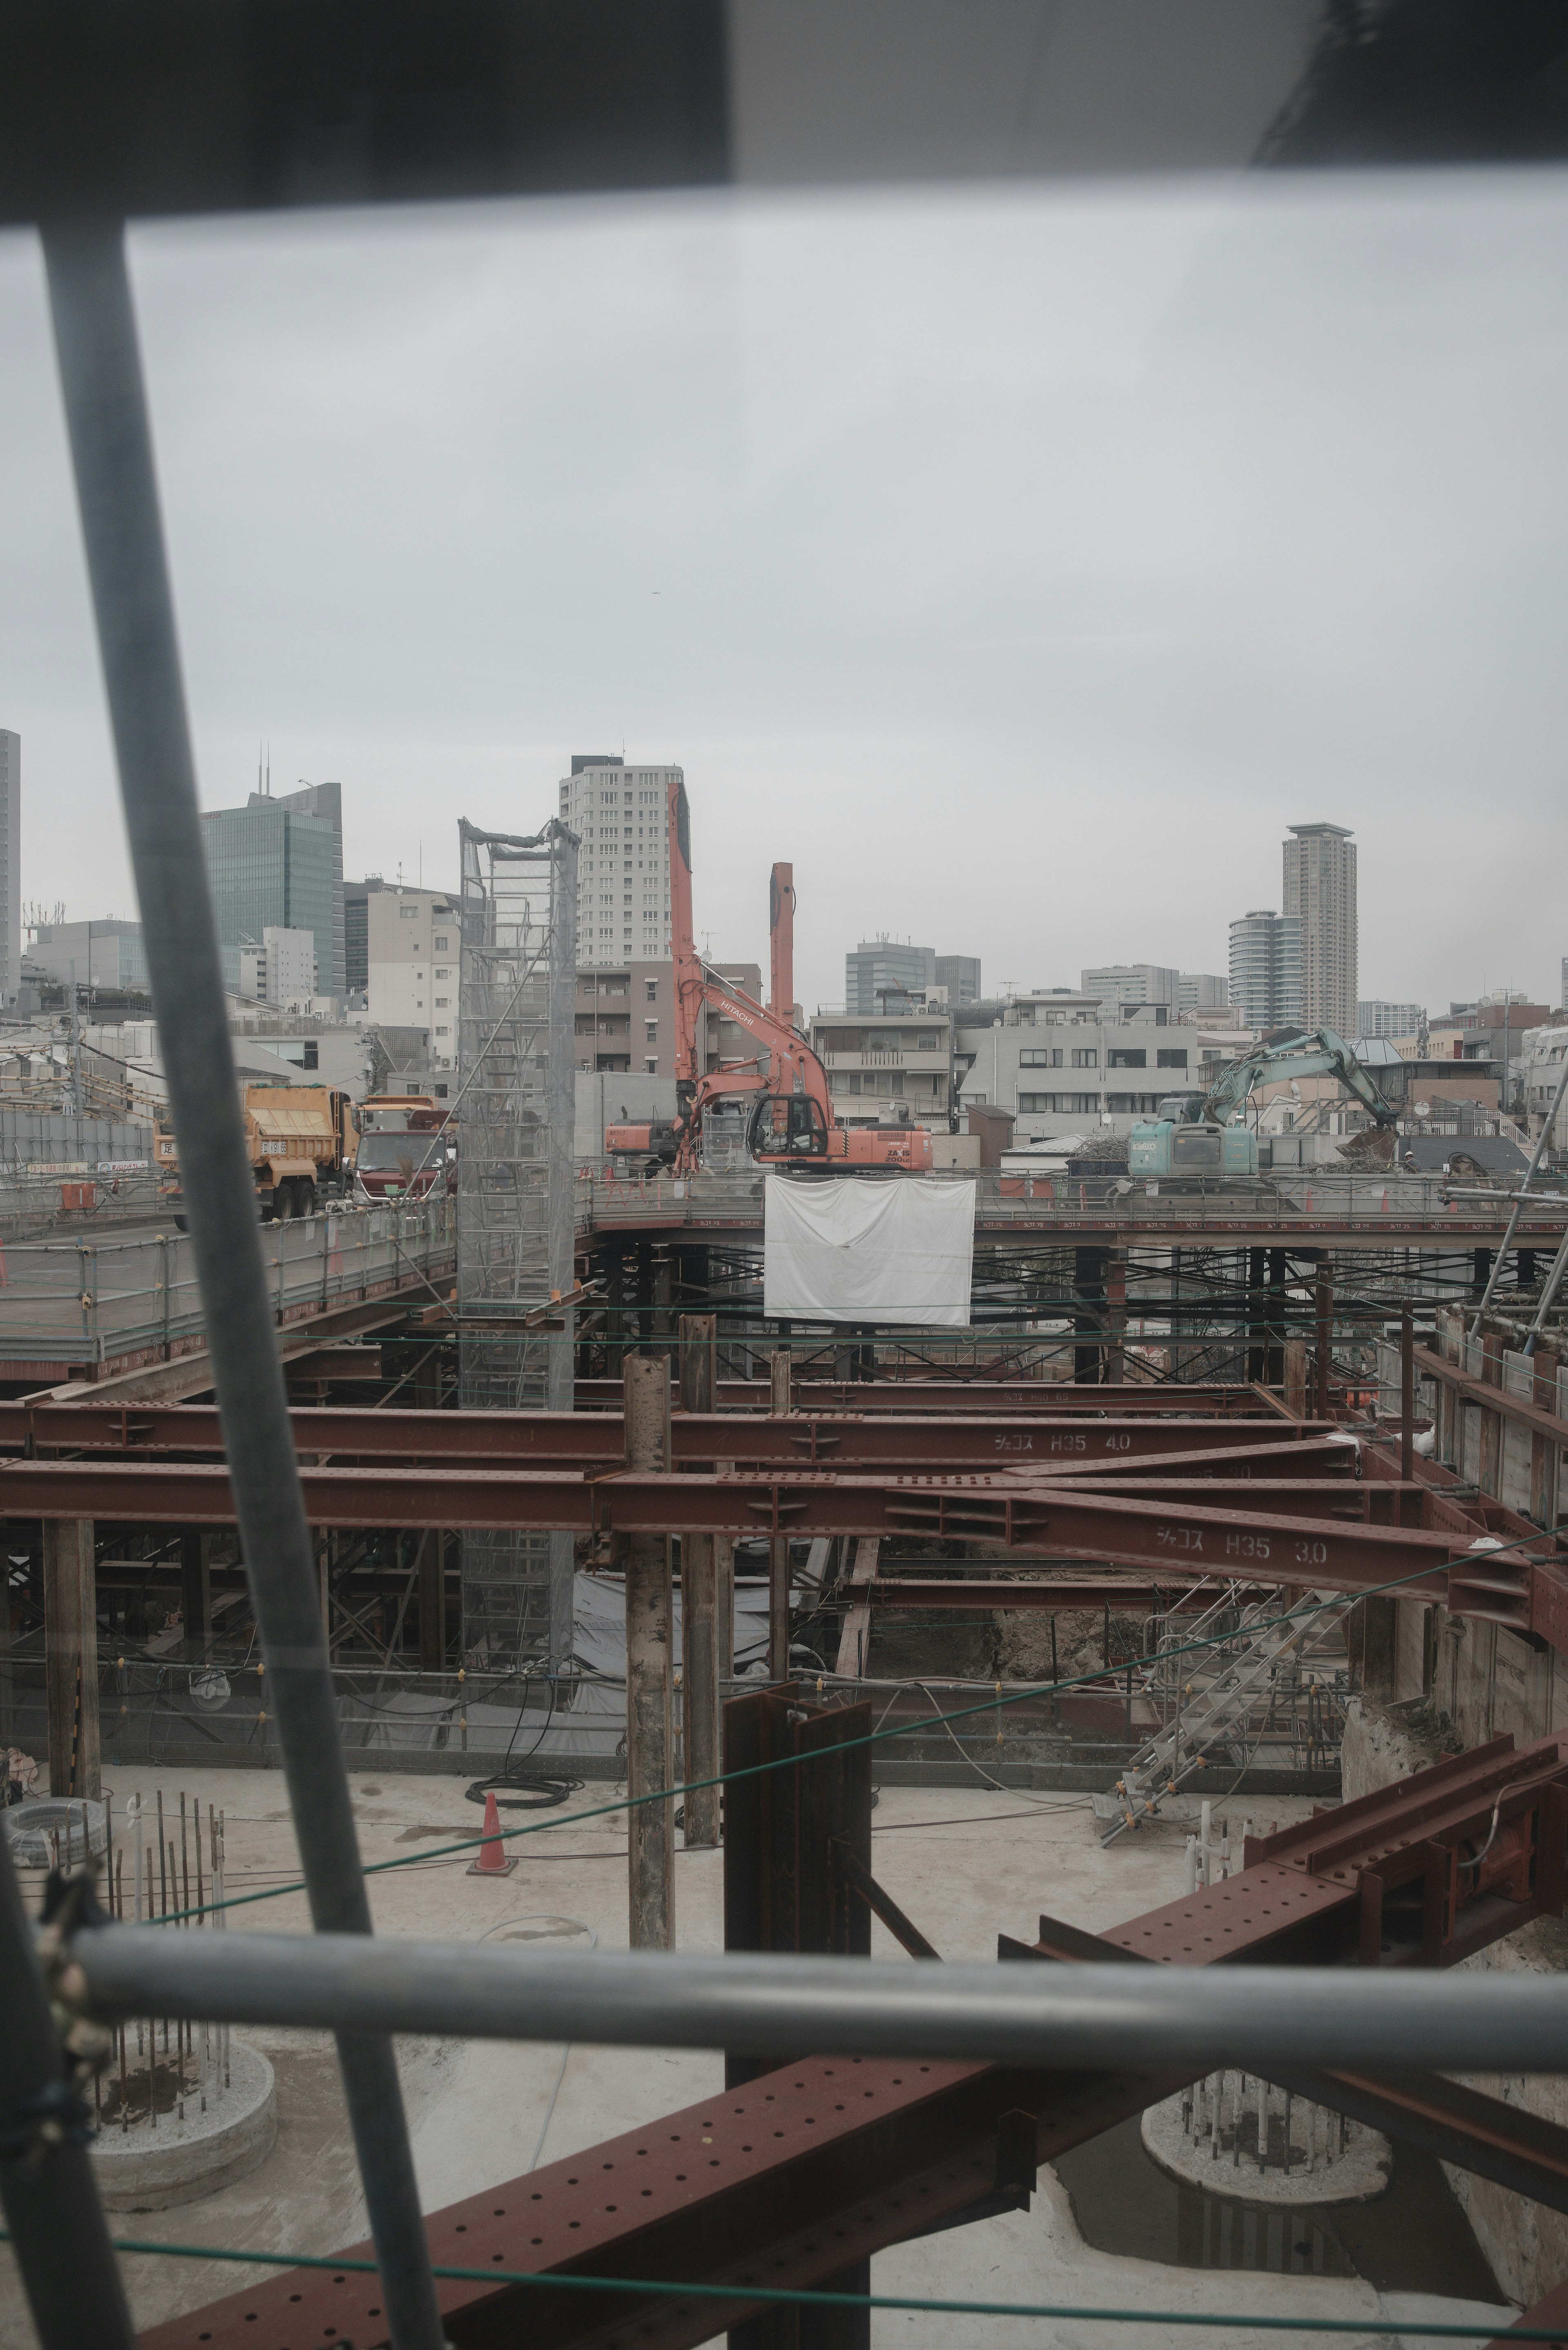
1306,1200
94,1300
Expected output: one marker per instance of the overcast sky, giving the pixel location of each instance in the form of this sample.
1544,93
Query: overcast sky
1018,563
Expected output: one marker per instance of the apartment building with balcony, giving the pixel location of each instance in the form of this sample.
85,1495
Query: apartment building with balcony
896,1069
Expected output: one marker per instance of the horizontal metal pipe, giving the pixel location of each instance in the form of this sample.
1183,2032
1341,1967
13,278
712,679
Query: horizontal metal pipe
1060,2015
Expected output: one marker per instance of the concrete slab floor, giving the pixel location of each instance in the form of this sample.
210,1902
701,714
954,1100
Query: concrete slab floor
964,1864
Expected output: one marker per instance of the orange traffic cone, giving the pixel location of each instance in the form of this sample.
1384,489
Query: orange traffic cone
491,1860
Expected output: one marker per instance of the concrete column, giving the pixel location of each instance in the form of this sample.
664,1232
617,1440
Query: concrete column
196,1591
778,1549
70,1658
649,1680
700,1606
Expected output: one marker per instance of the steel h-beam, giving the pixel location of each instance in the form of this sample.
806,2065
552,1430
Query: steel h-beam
791,2178
112,450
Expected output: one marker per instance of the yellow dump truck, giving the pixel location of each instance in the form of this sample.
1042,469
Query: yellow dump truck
303,1140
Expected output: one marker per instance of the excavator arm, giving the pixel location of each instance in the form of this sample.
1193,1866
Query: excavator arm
793,1120
1319,1054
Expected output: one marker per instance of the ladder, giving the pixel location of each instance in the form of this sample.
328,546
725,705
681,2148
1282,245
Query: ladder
1265,1639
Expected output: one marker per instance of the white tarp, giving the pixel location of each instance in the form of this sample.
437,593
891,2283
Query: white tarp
886,1249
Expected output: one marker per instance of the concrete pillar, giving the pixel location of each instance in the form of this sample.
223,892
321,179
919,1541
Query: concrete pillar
700,1606
70,1658
778,1549
196,1591
649,1680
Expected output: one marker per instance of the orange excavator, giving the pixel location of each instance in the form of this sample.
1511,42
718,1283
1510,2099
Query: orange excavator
792,1124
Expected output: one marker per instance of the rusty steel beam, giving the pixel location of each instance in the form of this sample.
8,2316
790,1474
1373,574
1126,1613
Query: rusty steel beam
982,1594
1046,1398
842,1441
1043,1517
794,2177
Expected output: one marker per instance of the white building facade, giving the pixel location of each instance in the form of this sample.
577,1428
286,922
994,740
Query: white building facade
10,865
619,812
1061,1067
412,957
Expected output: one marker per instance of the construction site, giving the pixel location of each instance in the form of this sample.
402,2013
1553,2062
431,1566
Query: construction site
831,1609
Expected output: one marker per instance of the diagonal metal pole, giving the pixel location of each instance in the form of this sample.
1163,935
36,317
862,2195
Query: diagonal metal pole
1536,1156
48,2191
117,491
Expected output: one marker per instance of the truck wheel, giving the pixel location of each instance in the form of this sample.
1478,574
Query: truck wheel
305,1198
281,1203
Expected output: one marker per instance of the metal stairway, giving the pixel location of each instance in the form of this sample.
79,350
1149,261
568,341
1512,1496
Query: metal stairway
1265,1636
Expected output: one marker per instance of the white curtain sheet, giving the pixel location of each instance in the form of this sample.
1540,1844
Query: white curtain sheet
884,1249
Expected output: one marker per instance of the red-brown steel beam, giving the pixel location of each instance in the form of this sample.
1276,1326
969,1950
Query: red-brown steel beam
843,1440
1185,1533
981,1594
1045,1398
791,2178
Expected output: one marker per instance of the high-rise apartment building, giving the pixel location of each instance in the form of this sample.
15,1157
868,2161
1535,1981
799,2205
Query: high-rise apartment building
272,866
1265,970
10,865
1133,984
326,801
1320,891
619,812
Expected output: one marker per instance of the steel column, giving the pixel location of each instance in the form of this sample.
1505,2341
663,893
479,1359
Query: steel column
70,1658
698,1607
650,1681
111,449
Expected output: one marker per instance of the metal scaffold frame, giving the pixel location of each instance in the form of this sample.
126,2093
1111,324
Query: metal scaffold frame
514,1233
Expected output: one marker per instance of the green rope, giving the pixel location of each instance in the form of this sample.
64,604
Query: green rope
927,1722
801,2296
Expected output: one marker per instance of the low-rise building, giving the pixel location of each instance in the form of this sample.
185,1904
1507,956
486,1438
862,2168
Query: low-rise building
1127,986
896,1069
1058,1065
107,955
1376,1016
1542,1052
881,973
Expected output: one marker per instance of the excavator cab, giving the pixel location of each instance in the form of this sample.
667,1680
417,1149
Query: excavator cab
786,1127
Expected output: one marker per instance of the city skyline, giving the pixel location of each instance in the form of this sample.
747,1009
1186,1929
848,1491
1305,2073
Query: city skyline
939,593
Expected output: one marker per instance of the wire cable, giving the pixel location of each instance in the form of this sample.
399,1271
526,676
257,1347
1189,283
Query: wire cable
808,2297
874,1737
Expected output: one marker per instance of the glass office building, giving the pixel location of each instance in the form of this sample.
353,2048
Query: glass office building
270,866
